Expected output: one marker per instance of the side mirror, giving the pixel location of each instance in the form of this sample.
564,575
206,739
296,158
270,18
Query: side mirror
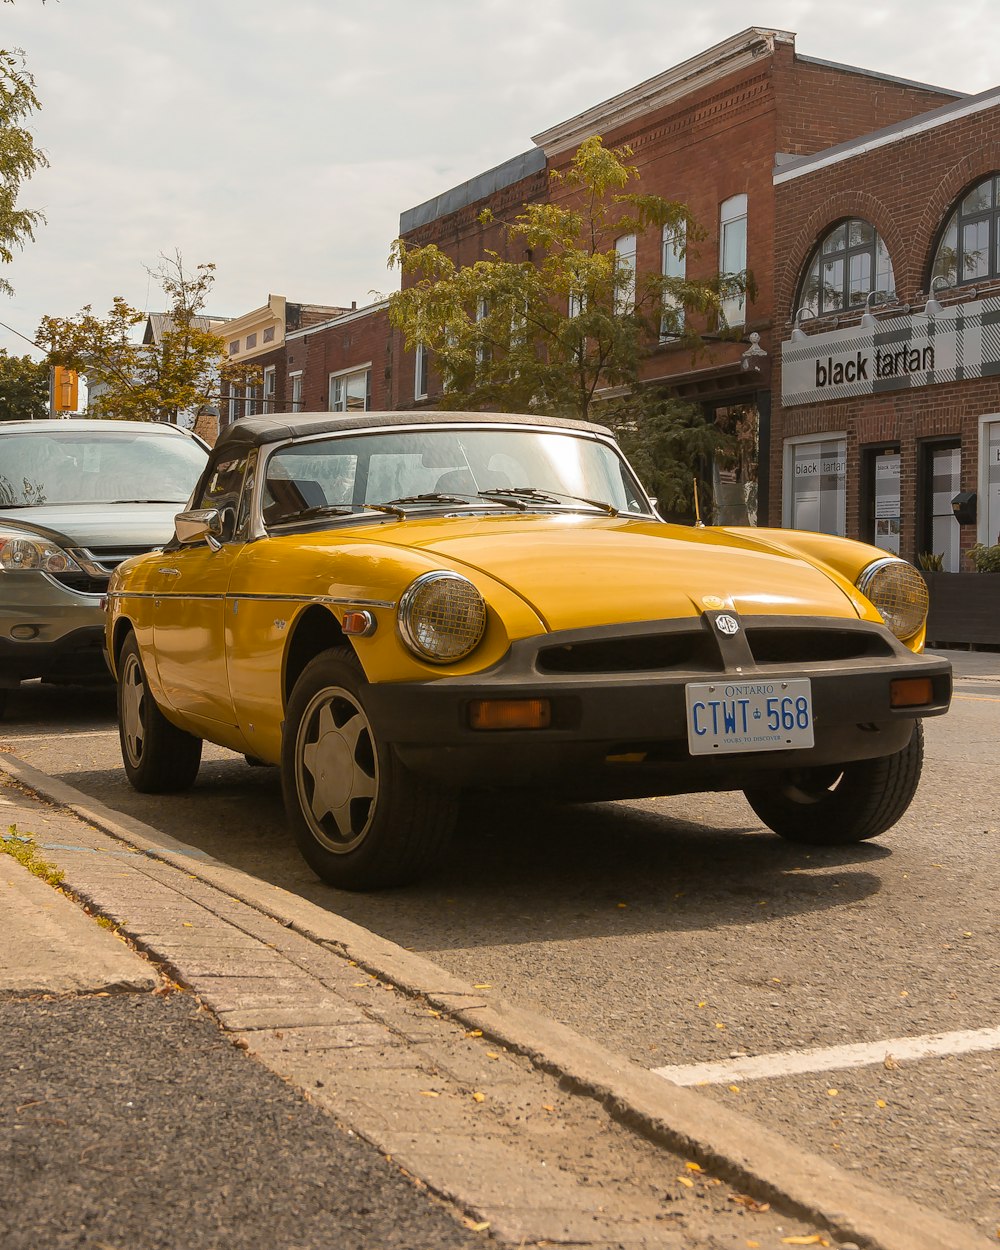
199,525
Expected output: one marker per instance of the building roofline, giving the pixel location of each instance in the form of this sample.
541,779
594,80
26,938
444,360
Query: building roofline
355,314
672,84
477,188
966,106
873,73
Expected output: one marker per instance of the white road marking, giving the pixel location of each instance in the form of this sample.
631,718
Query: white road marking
828,1058
66,733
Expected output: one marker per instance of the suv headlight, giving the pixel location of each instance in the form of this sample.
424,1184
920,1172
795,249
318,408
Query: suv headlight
899,592
20,554
442,617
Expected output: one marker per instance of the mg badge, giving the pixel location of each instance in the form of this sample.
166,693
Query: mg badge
727,624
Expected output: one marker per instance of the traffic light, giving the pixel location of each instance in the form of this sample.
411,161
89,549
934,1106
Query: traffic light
65,389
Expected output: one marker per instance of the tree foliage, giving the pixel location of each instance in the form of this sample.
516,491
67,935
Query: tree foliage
146,381
19,158
24,388
553,332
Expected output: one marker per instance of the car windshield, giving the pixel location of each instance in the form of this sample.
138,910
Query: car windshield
60,466
544,469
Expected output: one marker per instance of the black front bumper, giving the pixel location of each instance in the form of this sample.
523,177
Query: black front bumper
623,733
76,657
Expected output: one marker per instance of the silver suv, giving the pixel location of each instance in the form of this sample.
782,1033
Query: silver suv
77,497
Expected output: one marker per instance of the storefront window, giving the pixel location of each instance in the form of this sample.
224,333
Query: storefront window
990,487
882,486
849,263
816,485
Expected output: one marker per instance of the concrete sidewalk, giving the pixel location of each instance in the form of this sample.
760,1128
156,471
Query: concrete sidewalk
524,1130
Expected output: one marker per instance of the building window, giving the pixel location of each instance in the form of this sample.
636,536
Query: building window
733,253
674,265
989,480
849,263
482,341
270,376
625,274
349,392
234,347
969,250
235,404
941,480
296,396
252,397
251,341
420,362
268,336
815,484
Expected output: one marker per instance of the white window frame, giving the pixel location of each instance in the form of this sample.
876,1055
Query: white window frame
625,254
341,376
295,386
788,493
673,262
270,381
252,396
421,366
988,512
733,251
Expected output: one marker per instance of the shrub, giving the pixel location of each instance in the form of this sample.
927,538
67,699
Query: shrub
932,561
986,559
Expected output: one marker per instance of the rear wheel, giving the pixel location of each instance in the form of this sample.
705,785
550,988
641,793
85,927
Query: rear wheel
361,819
159,758
841,803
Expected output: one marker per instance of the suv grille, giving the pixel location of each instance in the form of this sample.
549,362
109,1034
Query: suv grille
99,563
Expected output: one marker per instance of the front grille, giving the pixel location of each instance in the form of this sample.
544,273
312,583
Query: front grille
797,645
98,564
631,655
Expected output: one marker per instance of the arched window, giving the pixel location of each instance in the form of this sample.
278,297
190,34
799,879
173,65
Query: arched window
849,263
969,245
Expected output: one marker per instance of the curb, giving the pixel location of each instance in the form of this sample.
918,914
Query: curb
734,1147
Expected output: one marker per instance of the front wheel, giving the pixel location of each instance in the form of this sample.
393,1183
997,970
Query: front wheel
841,803
361,819
159,758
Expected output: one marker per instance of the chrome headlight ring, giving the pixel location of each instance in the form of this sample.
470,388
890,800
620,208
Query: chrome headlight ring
441,617
898,592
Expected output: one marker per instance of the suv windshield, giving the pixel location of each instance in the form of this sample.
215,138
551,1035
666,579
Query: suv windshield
543,469
57,466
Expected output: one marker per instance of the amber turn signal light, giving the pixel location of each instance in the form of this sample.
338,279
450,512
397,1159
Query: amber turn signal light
910,691
510,714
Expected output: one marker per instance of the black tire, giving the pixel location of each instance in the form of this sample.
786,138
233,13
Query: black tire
159,758
841,804
4,693
361,819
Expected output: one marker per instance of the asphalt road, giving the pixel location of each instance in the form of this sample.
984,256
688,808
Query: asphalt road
680,932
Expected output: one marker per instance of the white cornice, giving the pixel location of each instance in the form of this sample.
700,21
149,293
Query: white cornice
707,67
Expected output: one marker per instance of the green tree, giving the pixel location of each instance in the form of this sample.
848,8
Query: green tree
19,158
24,388
562,331
146,381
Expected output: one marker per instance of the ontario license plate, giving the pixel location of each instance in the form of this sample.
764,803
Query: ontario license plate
749,716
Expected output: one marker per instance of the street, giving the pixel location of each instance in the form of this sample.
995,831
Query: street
679,932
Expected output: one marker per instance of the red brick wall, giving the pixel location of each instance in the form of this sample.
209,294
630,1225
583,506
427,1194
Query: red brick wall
348,343
907,190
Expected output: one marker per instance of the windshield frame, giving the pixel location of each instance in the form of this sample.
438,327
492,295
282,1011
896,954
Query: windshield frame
480,503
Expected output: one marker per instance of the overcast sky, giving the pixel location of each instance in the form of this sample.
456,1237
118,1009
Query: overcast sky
281,139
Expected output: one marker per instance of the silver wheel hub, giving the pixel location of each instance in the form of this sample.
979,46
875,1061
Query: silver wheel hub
133,693
336,770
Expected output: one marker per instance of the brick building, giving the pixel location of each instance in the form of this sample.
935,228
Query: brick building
707,132
887,297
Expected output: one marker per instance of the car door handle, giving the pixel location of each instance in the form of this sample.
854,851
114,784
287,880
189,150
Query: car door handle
169,572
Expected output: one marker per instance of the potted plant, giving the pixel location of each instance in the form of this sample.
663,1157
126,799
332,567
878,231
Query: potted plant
964,607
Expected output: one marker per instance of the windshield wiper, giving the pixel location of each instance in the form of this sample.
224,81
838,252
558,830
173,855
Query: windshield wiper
329,509
454,497
550,496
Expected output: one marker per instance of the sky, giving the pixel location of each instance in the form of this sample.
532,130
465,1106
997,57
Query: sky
281,139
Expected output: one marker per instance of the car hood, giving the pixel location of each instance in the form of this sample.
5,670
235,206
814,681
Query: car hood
99,525
578,571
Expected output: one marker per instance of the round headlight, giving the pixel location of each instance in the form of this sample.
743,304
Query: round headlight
442,617
899,593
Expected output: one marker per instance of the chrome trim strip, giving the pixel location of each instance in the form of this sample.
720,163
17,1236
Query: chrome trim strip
330,599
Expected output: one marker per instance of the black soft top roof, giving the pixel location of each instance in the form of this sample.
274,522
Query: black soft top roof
258,431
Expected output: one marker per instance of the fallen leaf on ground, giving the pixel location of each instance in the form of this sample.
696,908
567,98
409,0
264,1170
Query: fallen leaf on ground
430,1093
813,1239
889,1062
694,1167
751,1204
478,1097
686,1180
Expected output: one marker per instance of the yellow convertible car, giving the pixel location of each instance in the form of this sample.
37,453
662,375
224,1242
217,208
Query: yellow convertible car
396,606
